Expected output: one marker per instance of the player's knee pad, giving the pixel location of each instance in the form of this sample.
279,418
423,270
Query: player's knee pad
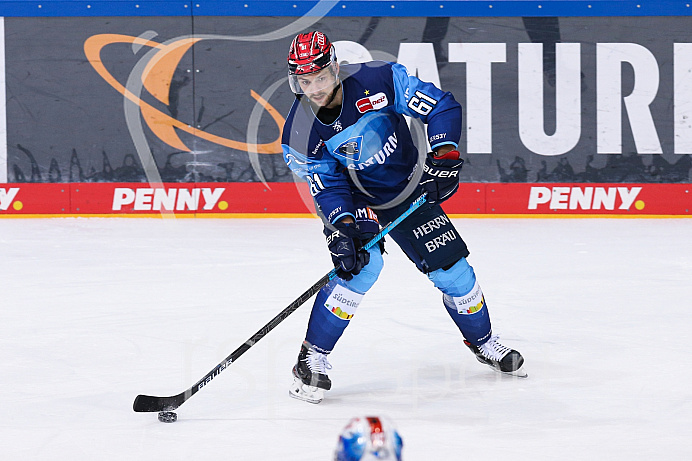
367,277
458,280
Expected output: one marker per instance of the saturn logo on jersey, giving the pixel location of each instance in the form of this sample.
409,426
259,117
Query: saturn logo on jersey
350,149
380,157
375,102
292,158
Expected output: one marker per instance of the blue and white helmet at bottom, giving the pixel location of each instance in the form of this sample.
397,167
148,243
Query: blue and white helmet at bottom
369,438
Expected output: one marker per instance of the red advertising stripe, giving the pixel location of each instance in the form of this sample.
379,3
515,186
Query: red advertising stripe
469,199
256,199
191,198
589,199
34,199
279,197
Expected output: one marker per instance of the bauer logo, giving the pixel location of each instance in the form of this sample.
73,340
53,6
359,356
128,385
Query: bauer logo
178,199
374,102
584,198
214,373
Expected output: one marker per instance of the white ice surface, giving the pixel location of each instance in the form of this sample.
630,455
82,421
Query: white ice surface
96,311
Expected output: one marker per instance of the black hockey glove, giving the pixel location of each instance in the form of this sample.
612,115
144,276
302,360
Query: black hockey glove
441,175
345,242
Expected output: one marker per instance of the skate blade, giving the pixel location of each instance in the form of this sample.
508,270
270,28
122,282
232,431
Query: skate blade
306,393
518,373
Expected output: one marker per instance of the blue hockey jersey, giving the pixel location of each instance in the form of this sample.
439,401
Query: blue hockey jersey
368,150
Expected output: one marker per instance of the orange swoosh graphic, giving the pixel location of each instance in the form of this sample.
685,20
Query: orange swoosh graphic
156,78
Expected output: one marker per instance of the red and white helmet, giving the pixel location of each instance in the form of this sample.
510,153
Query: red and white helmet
369,438
309,53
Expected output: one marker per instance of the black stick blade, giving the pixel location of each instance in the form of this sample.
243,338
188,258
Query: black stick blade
149,403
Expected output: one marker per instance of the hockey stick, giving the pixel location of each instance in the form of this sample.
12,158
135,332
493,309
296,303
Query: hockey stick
148,403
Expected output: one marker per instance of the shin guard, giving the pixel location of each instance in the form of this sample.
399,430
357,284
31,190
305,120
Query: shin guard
470,314
337,302
464,301
333,308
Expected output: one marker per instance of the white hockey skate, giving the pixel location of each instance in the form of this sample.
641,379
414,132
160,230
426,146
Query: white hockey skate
310,379
305,392
498,357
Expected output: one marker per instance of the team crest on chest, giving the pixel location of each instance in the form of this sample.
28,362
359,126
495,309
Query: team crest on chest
374,102
350,149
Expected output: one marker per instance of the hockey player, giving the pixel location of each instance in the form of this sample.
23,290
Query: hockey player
369,438
347,137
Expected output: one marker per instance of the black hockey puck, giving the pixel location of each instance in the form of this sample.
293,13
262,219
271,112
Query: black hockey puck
168,417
